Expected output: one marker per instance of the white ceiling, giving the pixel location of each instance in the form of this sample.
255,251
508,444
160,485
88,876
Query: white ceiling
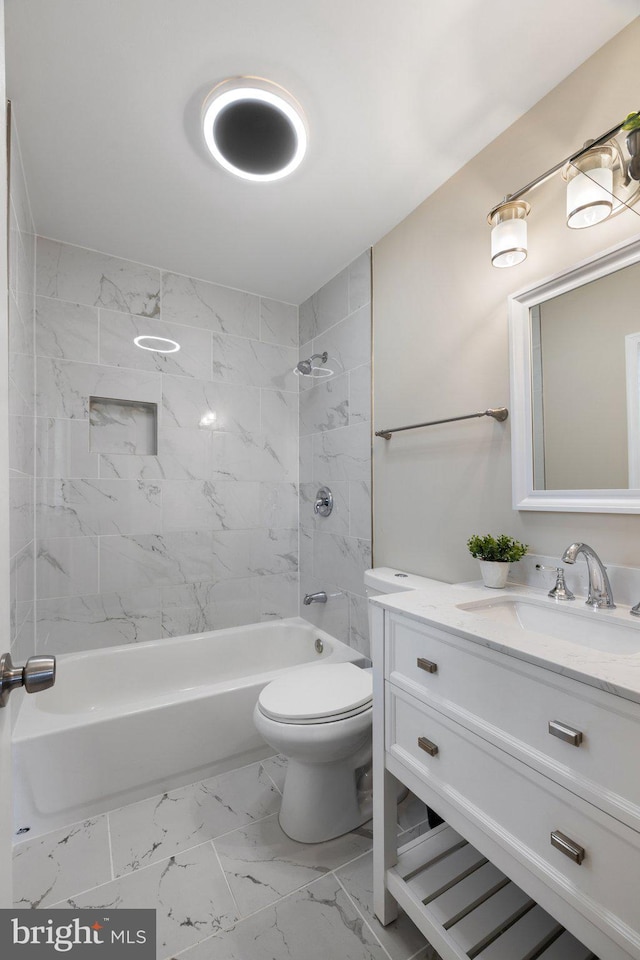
398,96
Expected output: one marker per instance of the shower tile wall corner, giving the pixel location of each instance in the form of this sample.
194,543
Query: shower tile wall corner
21,406
335,451
202,535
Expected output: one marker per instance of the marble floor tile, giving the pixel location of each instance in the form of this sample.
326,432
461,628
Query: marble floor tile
401,939
316,923
189,893
61,864
276,768
262,864
154,829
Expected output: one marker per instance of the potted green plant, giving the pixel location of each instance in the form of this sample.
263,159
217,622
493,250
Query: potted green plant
632,128
495,555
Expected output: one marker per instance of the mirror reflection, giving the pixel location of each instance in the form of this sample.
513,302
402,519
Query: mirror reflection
586,386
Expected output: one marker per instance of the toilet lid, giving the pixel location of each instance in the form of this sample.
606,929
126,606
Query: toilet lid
317,693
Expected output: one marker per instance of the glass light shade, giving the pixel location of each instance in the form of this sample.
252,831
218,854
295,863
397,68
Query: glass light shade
509,234
589,198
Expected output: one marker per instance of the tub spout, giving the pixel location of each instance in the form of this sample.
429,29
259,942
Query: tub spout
319,597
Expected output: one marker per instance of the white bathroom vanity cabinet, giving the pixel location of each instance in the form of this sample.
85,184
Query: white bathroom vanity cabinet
527,746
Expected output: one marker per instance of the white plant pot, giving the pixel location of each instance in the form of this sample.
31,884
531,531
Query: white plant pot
494,573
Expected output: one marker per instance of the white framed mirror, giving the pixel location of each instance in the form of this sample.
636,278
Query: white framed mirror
575,387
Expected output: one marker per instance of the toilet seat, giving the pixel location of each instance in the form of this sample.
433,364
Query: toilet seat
319,694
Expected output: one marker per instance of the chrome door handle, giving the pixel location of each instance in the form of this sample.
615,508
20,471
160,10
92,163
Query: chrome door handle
563,732
38,673
427,665
567,846
427,746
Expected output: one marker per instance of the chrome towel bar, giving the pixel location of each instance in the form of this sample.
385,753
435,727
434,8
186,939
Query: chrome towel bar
498,413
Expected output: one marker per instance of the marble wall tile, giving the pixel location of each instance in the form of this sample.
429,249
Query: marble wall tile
67,567
359,625
21,512
62,449
21,384
61,863
208,505
66,272
23,645
348,343
305,466
128,563
68,624
68,331
183,454
360,394
275,551
332,616
277,596
278,322
317,922
341,560
269,458
211,407
21,446
189,893
338,519
360,509
252,363
209,305
328,305
343,454
24,571
360,281
233,554
279,412
19,192
73,508
21,330
325,406
64,387
279,505
15,242
117,348
209,606
262,864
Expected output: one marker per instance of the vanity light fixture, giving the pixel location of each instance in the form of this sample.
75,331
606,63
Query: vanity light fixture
509,233
254,128
603,178
157,344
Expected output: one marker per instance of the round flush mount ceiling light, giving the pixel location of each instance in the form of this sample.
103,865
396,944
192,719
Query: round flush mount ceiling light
254,128
157,344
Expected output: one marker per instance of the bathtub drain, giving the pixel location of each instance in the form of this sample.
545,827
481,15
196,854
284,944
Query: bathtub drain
319,645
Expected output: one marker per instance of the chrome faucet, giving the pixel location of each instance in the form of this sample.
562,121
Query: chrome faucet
319,597
600,594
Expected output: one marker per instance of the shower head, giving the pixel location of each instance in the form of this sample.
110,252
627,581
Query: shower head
305,368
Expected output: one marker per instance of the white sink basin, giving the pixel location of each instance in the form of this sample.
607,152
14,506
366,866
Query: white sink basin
587,628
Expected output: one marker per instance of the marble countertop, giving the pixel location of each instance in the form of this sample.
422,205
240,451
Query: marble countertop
438,605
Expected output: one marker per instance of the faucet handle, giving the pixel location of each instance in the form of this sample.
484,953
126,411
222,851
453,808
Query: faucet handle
560,591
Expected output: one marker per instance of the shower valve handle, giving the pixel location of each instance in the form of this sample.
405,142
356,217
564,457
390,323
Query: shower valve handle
38,673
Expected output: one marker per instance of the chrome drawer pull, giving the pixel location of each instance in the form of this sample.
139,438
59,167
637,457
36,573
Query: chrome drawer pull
427,665
427,746
570,849
563,732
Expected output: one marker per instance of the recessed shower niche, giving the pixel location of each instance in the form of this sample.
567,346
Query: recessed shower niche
123,426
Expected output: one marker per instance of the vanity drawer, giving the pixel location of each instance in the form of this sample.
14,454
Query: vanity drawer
526,710
509,800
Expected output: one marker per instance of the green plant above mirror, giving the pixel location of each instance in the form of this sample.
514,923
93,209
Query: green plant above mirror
500,549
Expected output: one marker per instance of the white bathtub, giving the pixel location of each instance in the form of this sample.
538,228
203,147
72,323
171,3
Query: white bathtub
124,723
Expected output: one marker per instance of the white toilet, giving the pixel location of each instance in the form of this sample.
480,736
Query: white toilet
319,717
